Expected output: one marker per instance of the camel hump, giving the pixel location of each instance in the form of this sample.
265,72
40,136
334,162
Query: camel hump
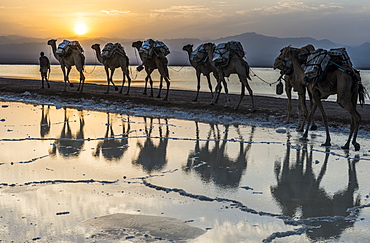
65,48
150,47
110,49
224,51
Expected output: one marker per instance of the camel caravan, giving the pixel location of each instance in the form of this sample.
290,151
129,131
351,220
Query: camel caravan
317,72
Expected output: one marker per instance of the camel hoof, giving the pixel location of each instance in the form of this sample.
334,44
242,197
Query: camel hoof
357,146
327,144
194,100
127,93
299,129
71,85
345,147
115,88
165,99
313,127
303,138
145,93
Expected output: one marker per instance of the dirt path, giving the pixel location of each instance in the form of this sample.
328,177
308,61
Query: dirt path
267,107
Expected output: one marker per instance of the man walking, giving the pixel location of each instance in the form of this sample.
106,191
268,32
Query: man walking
44,67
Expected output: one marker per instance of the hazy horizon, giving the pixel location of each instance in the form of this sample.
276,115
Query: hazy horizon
341,22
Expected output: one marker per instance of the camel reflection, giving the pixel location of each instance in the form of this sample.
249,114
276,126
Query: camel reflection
69,144
213,163
45,121
153,157
113,148
298,191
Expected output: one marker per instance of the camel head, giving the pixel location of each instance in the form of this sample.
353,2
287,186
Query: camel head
52,42
188,47
137,44
95,47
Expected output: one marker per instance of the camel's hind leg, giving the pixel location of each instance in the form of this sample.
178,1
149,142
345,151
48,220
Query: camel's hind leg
288,91
245,83
355,123
127,74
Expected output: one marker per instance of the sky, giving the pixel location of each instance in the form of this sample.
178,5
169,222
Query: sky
341,21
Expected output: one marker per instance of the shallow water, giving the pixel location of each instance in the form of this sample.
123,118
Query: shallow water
240,183
182,77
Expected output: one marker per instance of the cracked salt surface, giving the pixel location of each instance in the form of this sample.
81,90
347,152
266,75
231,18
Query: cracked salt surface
245,181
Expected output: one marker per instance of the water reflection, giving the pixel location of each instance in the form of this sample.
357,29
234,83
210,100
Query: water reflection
298,191
68,143
214,163
45,121
153,157
113,148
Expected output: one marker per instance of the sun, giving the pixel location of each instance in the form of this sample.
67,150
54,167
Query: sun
80,29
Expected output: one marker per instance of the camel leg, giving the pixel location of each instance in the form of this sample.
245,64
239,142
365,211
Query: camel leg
160,86
302,111
82,81
209,84
288,91
198,86
250,91
65,77
355,123
325,118
217,91
151,86
126,73
242,94
108,82
146,85
168,88
313,126
111,79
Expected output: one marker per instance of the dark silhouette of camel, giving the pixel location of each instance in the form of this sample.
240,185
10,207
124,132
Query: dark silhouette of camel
153,157
69,144
112,147
219,168
298,189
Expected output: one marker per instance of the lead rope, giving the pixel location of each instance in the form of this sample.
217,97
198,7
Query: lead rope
255,75
95,59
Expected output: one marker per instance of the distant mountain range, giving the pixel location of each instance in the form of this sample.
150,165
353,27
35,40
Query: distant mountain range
261,50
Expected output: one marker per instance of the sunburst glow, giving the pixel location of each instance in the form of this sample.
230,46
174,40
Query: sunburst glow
80,29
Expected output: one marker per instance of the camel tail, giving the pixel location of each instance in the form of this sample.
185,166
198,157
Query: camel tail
362,94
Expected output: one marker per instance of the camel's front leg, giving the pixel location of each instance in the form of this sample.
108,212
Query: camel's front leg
82,81
111,78
198,86
168,88
126,73
160,86
288,91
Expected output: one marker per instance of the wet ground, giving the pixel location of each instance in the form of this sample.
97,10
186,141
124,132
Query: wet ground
99,175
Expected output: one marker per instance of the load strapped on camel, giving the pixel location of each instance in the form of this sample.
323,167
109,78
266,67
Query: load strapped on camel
199,55
152,47
321,61
110,49
224,51
65,48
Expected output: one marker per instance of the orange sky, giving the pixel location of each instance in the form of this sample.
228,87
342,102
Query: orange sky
340,21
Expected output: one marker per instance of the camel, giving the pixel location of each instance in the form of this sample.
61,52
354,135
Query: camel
205,68
299,190
295,80
115,61
236,65
157,61
76,58
345,84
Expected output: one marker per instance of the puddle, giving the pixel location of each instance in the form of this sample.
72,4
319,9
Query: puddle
61,168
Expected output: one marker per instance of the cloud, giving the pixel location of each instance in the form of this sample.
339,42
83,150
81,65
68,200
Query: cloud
291,7
183,10
115,12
